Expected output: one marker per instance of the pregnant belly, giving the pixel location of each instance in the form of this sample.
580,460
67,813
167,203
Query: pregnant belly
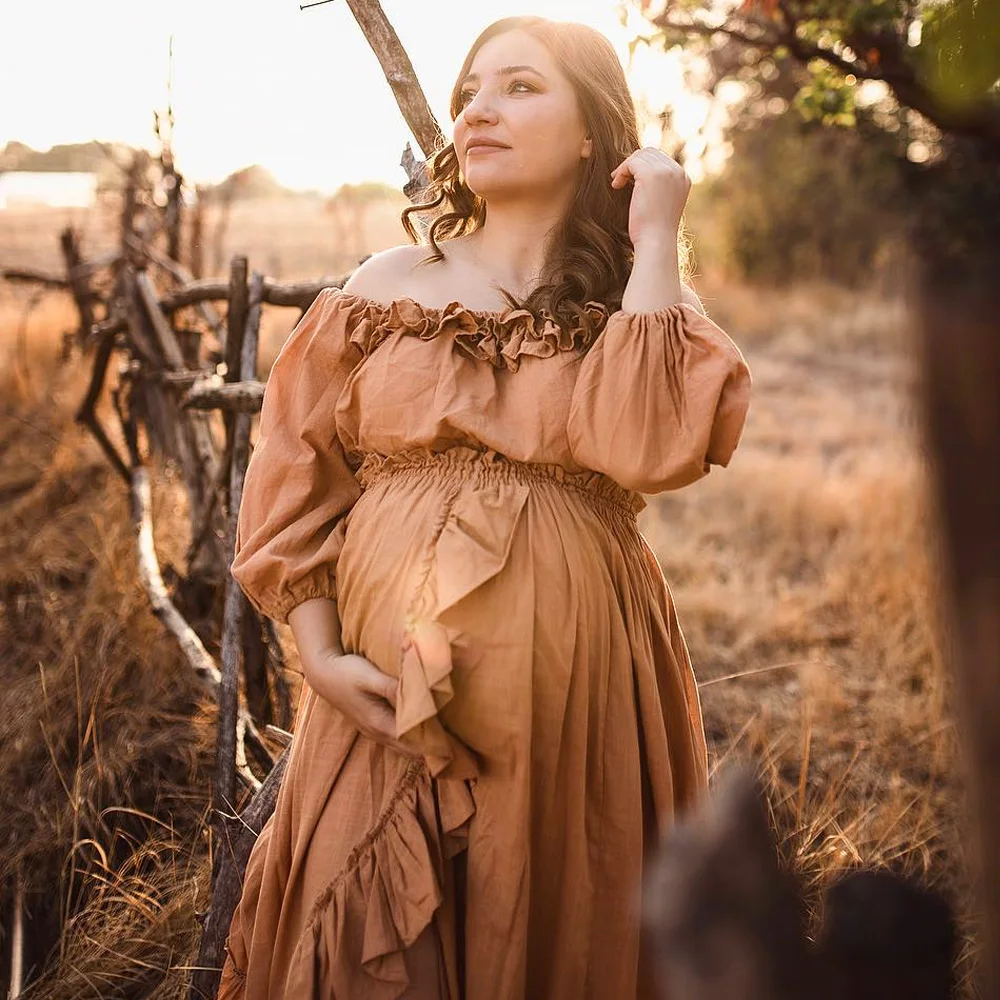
419,551
454,579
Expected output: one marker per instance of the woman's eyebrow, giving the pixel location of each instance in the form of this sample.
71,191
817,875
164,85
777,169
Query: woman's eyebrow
503,71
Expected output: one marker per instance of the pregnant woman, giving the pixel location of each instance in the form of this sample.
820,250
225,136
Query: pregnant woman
500,716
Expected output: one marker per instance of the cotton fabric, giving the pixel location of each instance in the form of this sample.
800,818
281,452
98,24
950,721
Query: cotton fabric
465,484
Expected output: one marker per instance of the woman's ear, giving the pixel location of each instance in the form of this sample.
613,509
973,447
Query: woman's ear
588,147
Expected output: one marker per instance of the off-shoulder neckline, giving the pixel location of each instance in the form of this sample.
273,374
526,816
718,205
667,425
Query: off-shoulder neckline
500,336
436,312
427,310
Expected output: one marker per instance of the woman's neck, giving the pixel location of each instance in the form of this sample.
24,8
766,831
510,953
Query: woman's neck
512,247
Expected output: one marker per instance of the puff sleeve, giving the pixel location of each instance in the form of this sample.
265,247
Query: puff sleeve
660,396
298,485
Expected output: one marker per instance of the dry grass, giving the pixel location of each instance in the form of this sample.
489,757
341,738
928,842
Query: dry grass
807,583
108,746
804,575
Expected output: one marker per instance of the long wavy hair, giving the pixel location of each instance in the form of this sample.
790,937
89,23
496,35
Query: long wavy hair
590,256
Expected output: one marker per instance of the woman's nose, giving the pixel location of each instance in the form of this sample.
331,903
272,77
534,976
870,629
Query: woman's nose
479,109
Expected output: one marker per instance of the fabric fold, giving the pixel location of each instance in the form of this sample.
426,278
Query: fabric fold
469,546
660,398
299,481
385,896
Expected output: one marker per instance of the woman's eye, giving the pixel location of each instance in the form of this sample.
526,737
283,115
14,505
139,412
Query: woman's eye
467,95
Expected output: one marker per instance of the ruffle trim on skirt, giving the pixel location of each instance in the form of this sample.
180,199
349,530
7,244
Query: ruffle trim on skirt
386,894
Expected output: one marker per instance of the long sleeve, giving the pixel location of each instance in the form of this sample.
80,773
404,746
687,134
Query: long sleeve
660,397
299,485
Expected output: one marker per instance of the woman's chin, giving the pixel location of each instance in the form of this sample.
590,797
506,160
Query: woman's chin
488,184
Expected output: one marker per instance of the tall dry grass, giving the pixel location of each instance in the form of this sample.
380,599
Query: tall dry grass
107,742
805,577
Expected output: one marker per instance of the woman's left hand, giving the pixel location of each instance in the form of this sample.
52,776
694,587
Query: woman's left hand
659,193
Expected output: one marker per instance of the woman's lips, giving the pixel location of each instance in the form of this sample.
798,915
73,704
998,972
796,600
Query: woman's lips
485,149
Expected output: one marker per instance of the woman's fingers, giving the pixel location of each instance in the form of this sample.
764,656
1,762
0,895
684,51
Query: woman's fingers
374,681
619,180
621,174
390,686
380,725
364,694
381,719
626,170
373,702
380,710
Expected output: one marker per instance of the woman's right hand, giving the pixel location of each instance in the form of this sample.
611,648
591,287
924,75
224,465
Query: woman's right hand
366,695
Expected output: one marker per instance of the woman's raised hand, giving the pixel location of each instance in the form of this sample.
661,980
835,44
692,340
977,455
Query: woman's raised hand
659,193
365,694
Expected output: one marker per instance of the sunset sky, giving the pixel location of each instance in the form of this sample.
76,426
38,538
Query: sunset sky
261,81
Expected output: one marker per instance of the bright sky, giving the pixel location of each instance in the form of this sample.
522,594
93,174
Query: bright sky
260,81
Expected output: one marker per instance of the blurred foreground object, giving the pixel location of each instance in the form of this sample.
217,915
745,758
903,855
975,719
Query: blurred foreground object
730,924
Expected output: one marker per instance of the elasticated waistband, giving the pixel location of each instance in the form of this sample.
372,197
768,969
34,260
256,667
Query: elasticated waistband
485,466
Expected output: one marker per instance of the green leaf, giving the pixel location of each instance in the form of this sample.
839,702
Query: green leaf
960,50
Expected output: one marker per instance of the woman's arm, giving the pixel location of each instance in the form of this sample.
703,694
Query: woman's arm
292,519
660,189
315,625
655,281
663,392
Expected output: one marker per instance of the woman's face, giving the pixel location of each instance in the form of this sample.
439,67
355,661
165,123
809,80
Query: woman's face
516,97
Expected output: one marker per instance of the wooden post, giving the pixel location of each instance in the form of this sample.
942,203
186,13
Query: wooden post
236,321
148,401
78,281
236,604
242,338
196,251
174,212
231,862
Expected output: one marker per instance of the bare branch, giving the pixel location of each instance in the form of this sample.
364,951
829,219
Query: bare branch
30,275
296,293
212,393
399,72
762,40
87,412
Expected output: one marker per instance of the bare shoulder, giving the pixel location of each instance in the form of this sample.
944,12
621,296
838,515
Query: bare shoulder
386,274
690,297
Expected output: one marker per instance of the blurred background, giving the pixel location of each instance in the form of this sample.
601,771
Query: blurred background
846,158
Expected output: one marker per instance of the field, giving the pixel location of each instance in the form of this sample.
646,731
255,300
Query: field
805,577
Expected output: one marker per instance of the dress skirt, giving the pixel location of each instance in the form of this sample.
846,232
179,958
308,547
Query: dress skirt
547,695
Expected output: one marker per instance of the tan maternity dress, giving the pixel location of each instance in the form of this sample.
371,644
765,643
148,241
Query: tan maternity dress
465,484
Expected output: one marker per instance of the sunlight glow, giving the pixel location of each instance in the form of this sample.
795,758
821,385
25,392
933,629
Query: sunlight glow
297,91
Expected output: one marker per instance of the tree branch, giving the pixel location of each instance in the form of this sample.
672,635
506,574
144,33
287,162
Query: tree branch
980,120
398,72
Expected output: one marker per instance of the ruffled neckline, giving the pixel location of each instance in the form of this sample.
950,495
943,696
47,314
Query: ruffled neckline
501,337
